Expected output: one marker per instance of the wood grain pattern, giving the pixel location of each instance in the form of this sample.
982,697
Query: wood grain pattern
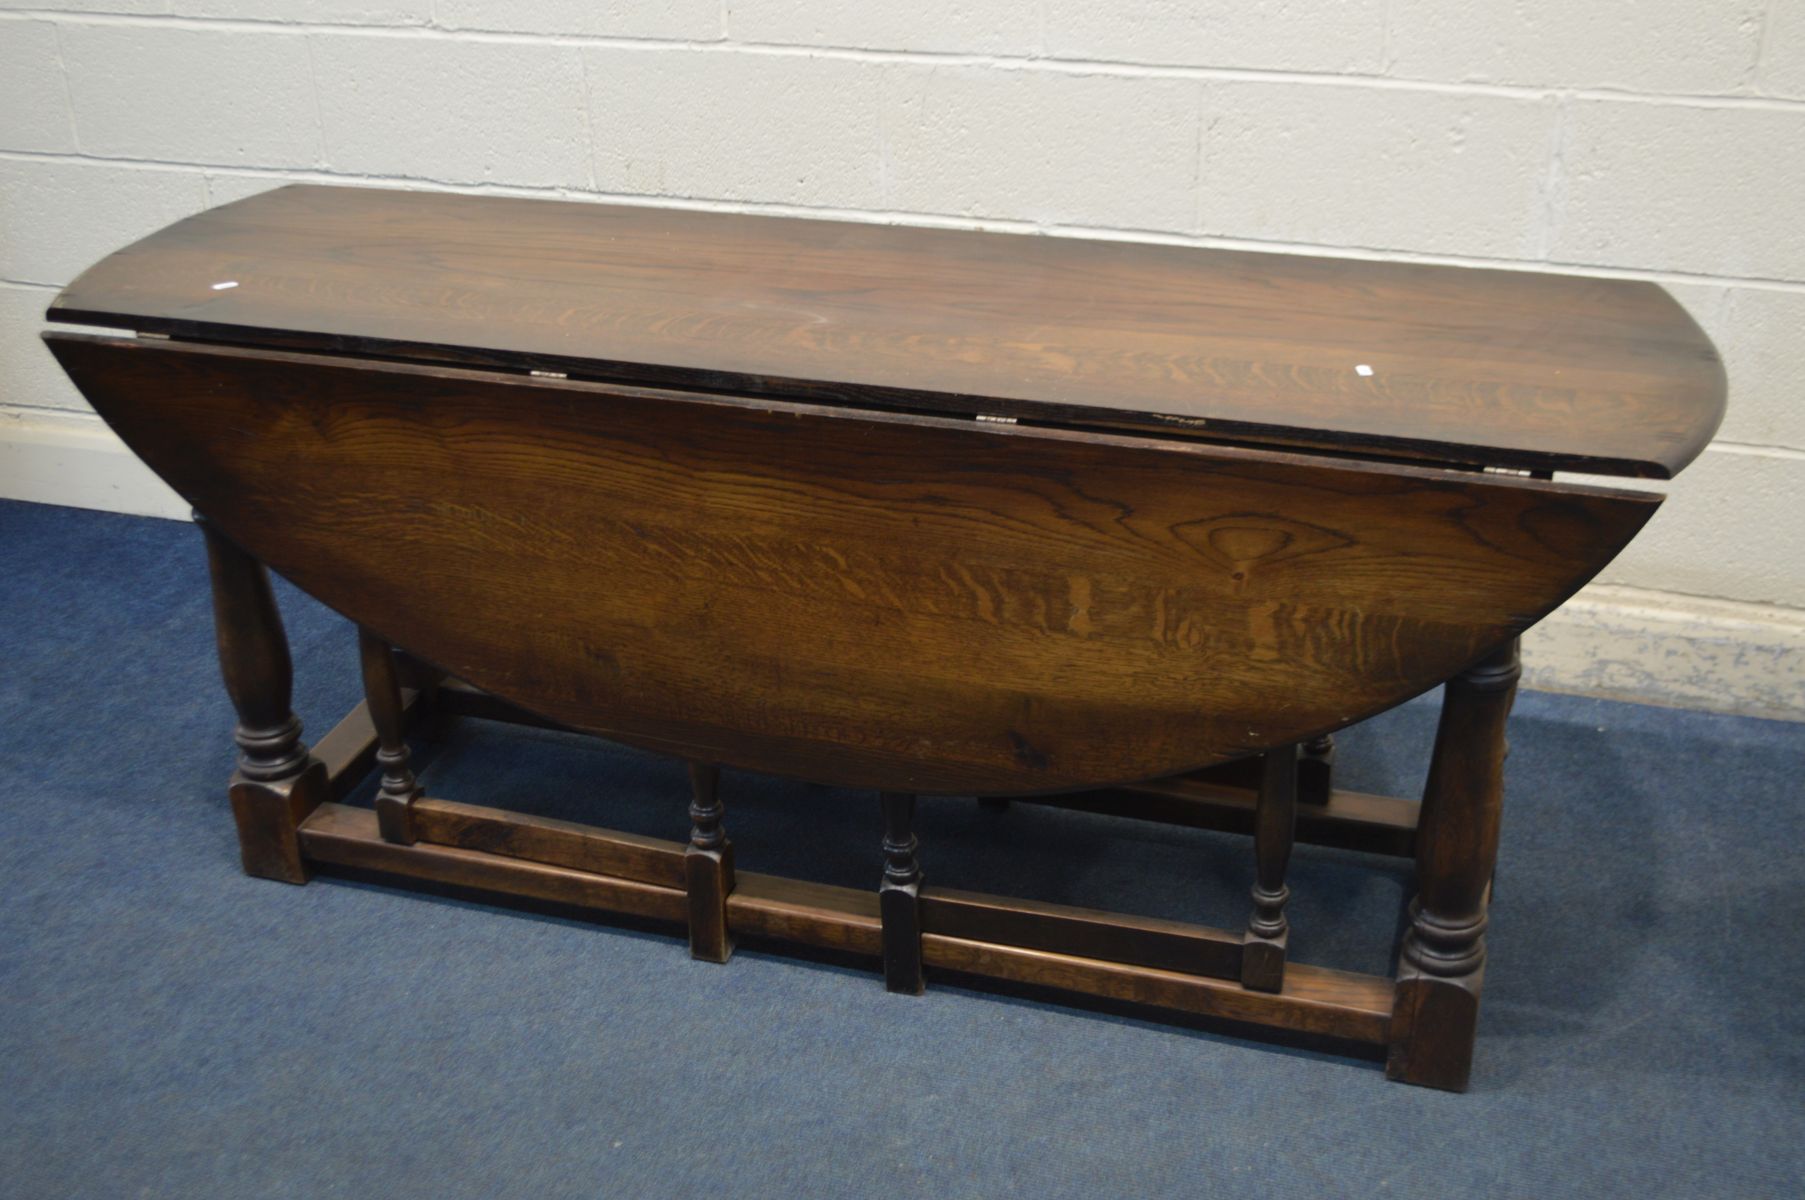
876,600
548,840
1107,936
899,895
383,700
804,557
1314,999
1268,936
708,867
278,782
1500,368
815,914
1221,797
348,837
254,661
348,749
1351,820
1441,971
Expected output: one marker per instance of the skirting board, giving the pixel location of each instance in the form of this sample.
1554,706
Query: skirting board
1617,642
74,460
1626,643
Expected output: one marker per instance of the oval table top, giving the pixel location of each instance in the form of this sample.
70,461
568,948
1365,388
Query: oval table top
1445,364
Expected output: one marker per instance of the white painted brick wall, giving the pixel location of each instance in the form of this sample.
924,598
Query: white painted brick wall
1341,165
145,7
31,380
58,216
946,26
1737,523
34,100
1043,146
1654,139
1639,45
176,94
1265,35
694,20
335,12
476,111
700,124
1705,189
1758,331
1782,71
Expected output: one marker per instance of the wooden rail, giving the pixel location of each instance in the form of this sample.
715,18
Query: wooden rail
1161,964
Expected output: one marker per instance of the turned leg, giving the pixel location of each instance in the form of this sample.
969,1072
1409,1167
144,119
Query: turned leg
1442,967
708,866
382,695
1274,832
899,896
1316,770
277,782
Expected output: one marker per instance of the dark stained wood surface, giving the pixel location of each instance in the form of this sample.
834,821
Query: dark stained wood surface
708,866
875,600
1441,970
348,749
814,914
278,782
899,895
547,840
1316,1000
348,837
383,701
1455,365
1274,834
1351,820
1319,1000
1061,928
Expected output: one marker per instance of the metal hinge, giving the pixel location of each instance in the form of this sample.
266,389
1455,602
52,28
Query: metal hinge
1520,474
993,419
548,374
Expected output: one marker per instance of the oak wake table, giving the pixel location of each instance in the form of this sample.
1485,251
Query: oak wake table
1123,527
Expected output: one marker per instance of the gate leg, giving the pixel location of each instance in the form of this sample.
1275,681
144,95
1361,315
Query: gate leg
1274,832
1442,967
899,896
382,695
278,781
708,867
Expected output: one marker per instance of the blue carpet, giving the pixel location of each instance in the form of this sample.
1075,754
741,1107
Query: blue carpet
172,1028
